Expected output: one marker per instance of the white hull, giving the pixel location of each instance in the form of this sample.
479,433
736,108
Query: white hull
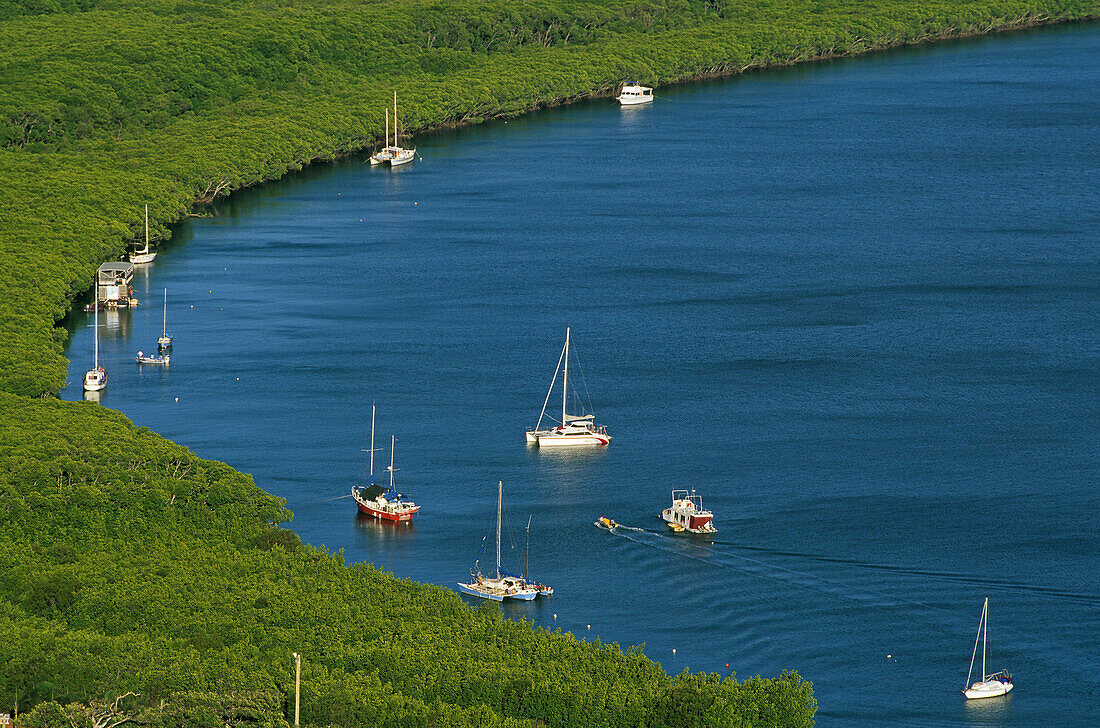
95,385
634,100
498,590
573,440
402,157
989,689
139,258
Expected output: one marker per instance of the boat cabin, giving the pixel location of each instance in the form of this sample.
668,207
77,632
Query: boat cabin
114,284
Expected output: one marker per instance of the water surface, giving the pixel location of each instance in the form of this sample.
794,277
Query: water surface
853,304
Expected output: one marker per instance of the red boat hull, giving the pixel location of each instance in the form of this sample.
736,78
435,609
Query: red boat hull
405,514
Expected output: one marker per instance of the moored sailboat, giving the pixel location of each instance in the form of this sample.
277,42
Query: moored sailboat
393,155
372,499
144,255
503,585
95,378
990,686
574,430
165,341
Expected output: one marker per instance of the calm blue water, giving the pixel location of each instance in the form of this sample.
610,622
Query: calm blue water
855,305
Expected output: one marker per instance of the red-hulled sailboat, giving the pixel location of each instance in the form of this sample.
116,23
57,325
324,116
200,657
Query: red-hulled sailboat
372,499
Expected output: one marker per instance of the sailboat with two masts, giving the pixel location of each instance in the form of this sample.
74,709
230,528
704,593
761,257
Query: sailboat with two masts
503,585
95,378
574,430
372,499
144,255
393,155
990,686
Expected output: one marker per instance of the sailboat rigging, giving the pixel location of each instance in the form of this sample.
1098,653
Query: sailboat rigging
144,255
393,155
95,378
990,686
502,585
165,341
372,499
574,430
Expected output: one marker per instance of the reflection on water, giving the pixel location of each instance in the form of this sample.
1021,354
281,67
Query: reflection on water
988,711
93,396
377,529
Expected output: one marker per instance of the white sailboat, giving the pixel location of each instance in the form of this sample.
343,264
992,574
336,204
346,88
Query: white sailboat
95,378
144,255
165,341
503,585
990,686
393,155
574,430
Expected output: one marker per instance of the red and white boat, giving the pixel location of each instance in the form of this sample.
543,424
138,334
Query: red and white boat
687,513
372,499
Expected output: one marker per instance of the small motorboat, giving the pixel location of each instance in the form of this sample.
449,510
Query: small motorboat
143,358
687,514
633,94
608,523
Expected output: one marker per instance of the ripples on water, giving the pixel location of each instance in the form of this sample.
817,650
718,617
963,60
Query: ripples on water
855,305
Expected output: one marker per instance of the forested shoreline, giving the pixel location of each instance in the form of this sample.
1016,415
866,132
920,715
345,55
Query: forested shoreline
139,569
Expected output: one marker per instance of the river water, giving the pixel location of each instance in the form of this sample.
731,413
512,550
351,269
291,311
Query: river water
855,305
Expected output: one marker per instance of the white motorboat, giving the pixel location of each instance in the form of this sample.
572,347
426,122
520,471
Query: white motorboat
165,341
95,378
573,430
144,255
143,358
394,155
687,513
376,500
990,686
633,94
503,585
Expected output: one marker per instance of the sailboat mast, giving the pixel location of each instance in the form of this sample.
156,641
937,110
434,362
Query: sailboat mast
95,365
387,127
395,118
372,443
146,228
164,321
527,555
500,498
565,377
393,439
985,631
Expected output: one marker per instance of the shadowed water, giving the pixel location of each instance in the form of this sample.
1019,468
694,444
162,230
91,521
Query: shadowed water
855,305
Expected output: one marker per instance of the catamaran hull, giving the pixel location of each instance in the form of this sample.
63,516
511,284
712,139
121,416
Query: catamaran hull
495,595
573,440
991,689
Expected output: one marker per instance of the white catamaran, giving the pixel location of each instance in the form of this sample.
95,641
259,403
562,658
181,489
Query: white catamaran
95,378
393,155
574,429
990,686
503,585
144,255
